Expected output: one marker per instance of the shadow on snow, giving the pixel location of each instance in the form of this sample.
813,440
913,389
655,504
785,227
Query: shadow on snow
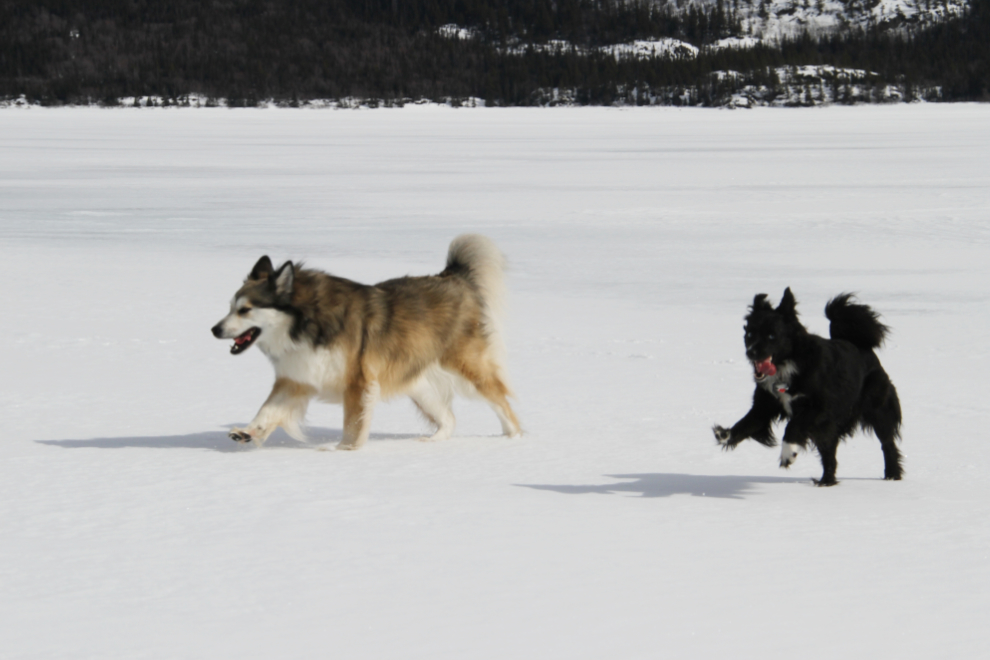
665,485
218,441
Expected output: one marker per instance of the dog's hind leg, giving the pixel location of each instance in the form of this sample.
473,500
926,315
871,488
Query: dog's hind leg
496,394
360,398
433,394
472,359
506,416
285,407
484,376
883,415
827,447
892,470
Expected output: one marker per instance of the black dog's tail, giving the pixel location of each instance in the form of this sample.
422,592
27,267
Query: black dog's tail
857,324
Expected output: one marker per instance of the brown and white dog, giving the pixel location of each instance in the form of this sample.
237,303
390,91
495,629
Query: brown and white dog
344,342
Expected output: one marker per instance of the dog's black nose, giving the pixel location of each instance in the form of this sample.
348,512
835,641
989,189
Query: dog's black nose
217,331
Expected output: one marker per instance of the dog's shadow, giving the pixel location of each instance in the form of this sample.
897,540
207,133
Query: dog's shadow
664,485
319,438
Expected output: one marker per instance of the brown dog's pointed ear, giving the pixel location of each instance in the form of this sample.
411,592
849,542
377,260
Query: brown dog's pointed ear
760,302
284,279
787,306
262,269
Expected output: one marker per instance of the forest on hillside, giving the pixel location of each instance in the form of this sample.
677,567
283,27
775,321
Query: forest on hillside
520,52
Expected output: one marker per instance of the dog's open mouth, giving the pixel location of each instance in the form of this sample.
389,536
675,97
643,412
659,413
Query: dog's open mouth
764,369
243,342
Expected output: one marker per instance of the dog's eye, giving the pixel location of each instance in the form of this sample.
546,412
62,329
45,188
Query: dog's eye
770,336
243,310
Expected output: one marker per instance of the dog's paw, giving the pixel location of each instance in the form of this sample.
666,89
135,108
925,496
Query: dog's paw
788,454
240,435
722,435
822,483
436,437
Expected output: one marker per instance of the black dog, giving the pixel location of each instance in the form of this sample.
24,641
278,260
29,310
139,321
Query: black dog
825,387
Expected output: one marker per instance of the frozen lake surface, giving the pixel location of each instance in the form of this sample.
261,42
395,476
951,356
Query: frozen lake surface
131,527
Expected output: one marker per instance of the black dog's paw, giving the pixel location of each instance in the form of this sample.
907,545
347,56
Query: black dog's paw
821,483
722,435
788,454
239,435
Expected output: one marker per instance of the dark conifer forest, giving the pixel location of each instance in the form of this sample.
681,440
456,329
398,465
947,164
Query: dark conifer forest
390,51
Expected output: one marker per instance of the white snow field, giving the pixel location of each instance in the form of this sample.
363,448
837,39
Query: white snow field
132,528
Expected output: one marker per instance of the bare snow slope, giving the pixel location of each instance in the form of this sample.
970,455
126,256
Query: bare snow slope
130,527
773,19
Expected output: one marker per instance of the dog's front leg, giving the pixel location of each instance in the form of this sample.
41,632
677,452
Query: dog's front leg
285,407
755,424
360,398
795,435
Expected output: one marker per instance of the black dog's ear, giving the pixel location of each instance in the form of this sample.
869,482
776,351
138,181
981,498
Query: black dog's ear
787,306
284,279
760,302
262,269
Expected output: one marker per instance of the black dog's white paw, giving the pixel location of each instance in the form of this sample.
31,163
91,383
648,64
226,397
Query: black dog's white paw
788,454
722,435
239,435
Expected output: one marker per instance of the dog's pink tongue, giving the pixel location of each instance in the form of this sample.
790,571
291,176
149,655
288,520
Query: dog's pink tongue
243,338
766,368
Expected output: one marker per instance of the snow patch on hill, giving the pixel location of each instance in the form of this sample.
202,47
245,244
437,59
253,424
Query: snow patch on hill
735,42
454,31
665,47
774,19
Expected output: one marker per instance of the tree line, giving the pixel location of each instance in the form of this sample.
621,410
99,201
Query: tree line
292,51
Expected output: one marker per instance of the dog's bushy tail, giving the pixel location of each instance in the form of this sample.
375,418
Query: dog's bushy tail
857,324
476,258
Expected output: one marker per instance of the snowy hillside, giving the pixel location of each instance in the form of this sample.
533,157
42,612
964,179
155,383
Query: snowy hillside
132,527
766,21
770,19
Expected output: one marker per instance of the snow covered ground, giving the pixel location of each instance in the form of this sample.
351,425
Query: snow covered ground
131,527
